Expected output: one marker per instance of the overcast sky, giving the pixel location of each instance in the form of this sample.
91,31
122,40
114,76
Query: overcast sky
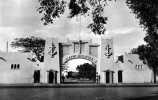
19,18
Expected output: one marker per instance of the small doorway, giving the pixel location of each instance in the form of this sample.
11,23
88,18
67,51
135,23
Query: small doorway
120,76
36,76
55,77
107,77
50,77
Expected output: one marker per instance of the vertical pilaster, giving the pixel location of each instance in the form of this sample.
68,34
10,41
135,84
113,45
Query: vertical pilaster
51,58
106,59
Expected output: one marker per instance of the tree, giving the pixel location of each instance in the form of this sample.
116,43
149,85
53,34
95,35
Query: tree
31,44
147,13
87,71
52,9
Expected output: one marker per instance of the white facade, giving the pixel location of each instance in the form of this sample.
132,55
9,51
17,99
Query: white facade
15,68
133,70
128,70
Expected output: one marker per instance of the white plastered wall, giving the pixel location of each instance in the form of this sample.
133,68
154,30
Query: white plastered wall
51,63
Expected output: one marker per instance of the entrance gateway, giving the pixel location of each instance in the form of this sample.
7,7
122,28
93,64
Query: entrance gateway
57,54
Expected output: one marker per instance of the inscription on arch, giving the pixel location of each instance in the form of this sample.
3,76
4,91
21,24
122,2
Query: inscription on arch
68,58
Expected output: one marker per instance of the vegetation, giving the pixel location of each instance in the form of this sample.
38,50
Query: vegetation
52,9
31,44
87,71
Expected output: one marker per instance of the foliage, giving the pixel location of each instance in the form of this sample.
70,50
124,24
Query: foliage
52,9
143,51
87,71
31,44
147,13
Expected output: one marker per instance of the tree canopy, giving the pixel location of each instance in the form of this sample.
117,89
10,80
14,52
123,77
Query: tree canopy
87,70
52,9
147,13
31,44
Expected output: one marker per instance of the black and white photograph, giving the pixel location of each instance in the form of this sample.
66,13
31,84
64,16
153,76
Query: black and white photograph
78,49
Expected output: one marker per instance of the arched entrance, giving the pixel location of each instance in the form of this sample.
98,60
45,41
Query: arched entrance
58,53
78,71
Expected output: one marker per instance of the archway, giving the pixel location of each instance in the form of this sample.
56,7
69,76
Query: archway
57,53
78,71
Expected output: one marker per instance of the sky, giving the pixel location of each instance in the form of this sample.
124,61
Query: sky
19,18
